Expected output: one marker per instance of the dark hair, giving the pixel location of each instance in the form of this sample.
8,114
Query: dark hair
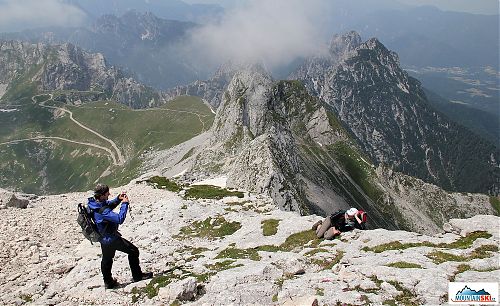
100,190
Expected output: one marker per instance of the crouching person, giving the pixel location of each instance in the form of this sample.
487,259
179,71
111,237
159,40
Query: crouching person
341,221
107,223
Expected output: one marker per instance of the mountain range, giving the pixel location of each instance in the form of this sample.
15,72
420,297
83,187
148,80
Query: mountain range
330,137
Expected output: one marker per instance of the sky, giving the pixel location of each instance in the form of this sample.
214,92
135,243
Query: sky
273,32
16,14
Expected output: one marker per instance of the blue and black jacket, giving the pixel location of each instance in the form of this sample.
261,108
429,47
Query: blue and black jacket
107,221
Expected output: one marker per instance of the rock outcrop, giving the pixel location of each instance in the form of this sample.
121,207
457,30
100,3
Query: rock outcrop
45,260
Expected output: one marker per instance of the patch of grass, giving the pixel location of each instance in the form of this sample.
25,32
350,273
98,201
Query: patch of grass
209,228
235,253
270,227
315,251
462,243
299,240
460,269
275,298
358,169
161,182
188,154
395,245
196,251
295,241
26,298
495,203
328,263
369,290
320,291
223,265
483,251
152,288
176,303
375,279
210,192
268,248
467,241
404,265
390,302
406,297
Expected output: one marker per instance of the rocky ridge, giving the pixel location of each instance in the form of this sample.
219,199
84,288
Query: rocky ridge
51,263
76,74
272,137
388,114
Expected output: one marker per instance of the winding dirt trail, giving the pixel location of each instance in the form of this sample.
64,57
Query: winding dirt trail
64,139
118,160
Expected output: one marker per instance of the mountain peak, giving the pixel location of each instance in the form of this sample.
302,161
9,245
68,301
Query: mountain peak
342,44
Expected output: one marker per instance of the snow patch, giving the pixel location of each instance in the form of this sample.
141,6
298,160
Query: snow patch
146,35
218,181
180,173
3,89
2,110
403,87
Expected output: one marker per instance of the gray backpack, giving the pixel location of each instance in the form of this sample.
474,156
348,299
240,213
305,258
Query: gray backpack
86,221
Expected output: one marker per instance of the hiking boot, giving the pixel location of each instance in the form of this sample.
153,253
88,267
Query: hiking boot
144,276
111,285
317,224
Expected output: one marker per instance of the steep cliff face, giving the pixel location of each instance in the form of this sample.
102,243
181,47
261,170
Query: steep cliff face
272,137
257,136
68,68
388,114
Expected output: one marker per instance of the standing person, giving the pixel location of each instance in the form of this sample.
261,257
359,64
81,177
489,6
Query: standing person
107,223
341,221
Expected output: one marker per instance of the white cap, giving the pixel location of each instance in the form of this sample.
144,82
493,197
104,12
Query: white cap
351,211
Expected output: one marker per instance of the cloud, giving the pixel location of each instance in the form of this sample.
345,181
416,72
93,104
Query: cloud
16,15
273,32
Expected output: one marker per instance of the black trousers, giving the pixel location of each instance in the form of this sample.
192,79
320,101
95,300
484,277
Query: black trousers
108,253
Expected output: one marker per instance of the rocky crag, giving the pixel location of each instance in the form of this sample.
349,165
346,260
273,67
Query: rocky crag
388,114
210,90
75,75
240,251
124,40
272,137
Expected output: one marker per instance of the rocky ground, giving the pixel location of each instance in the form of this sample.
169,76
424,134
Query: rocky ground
234,251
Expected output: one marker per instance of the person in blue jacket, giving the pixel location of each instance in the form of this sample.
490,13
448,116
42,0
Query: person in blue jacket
107,222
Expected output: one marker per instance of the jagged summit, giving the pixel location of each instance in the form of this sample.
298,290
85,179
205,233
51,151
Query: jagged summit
341,45
388,114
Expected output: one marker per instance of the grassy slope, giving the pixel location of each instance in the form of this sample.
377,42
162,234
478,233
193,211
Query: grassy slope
71,167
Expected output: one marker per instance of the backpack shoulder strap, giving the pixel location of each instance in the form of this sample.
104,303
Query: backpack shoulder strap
102,209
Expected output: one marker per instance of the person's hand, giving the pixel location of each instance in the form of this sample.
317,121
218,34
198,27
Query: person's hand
123,197
357,216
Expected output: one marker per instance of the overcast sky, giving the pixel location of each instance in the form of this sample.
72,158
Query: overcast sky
19,14
274,32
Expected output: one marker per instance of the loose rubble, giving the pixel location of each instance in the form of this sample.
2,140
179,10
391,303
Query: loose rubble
45,260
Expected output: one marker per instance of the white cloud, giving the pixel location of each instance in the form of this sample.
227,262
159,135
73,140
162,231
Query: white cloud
274,32
17,15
